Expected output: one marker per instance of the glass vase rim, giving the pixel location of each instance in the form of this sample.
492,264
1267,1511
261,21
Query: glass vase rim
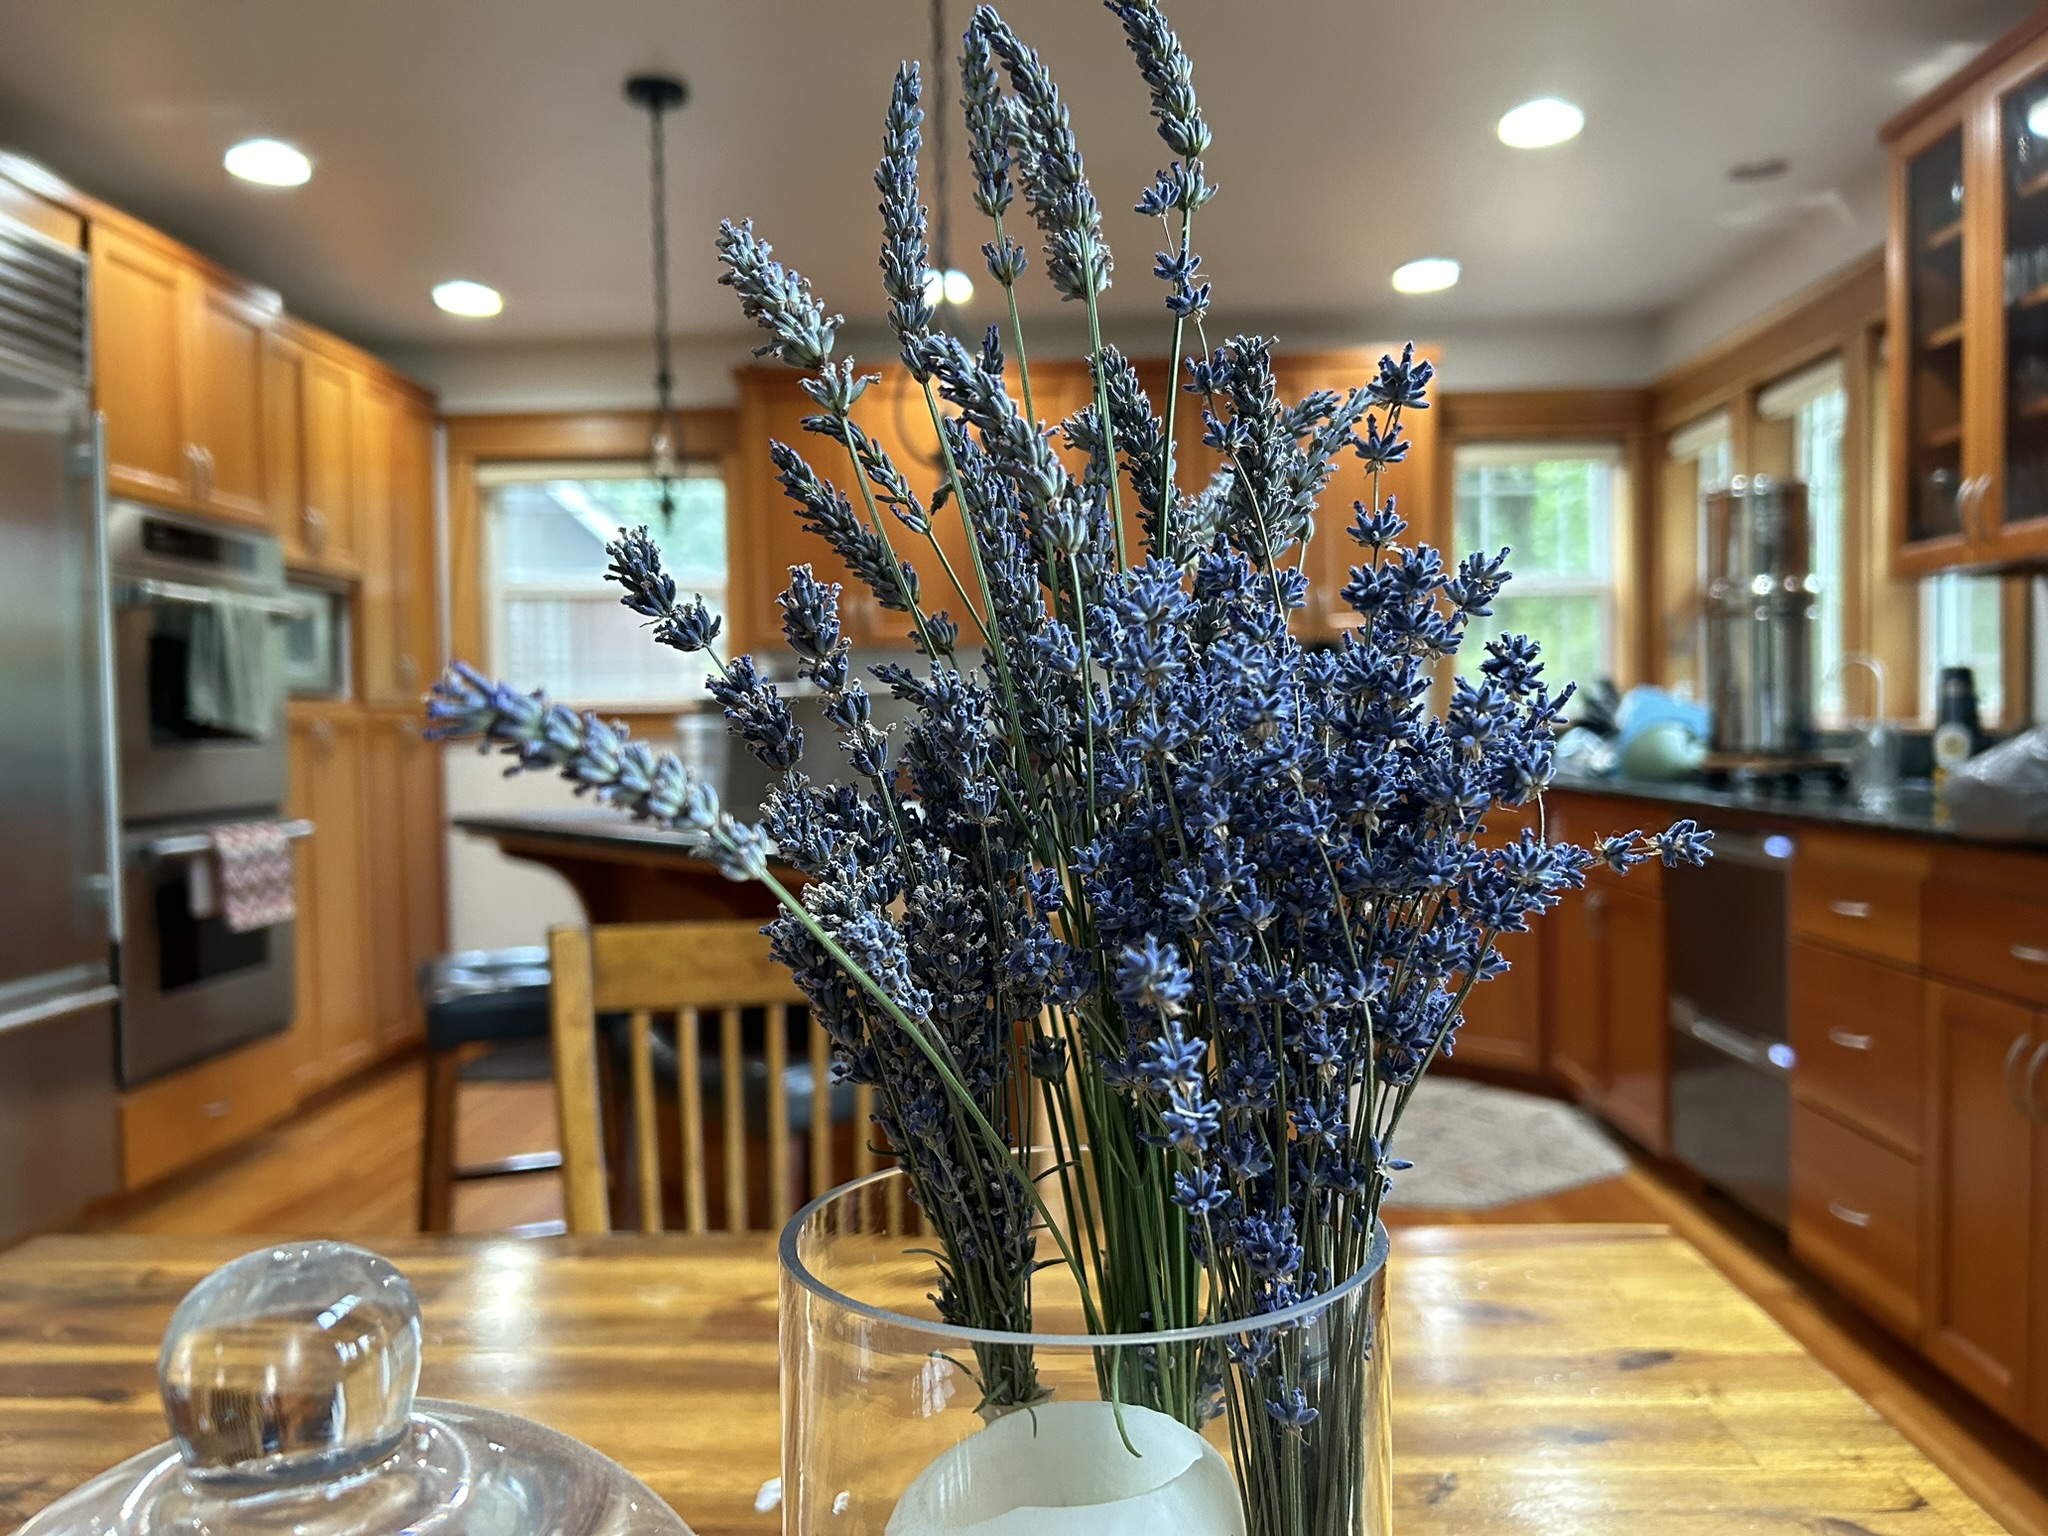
1302,1311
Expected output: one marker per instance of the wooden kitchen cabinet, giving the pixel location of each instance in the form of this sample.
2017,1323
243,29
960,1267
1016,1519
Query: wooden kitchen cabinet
138,355
407,922
310,453
176,1121
1986,1200
398,647
1967,301
1857,1029
224,407
1637,1092
1856,1216
1574,936
180,362
336,1024
1412,483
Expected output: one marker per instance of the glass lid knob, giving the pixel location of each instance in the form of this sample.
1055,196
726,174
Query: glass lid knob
294,1363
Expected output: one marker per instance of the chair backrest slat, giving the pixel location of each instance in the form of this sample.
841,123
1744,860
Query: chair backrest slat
733,1073
574,1043
690,1080
694,972
821,1109
776,1050
641,1027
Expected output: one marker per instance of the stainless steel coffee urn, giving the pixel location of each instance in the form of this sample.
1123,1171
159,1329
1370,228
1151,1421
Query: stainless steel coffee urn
1759,612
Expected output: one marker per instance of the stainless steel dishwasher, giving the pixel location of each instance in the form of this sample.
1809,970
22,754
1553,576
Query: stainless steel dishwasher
1731,1053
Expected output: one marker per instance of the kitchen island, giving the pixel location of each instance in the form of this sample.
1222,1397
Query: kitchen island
625,871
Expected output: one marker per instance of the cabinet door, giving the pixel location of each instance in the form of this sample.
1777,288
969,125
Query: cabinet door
415,573
1638,1057
1331,553
1925,282
284,370
327,409
390,938
138,365
1503,1024
224,400
426,833
1574,990
1982,1166
2010,505
378,641
330,783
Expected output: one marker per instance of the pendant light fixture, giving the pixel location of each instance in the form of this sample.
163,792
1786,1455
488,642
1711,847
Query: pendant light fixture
657,96
945,283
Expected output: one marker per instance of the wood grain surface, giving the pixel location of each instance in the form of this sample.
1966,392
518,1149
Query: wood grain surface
1585,1379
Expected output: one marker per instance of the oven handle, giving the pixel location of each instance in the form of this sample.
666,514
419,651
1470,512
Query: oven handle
1734,1043
187,844
137,591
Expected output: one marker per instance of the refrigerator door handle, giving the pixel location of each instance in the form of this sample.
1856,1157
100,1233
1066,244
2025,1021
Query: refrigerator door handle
110,789
58,1007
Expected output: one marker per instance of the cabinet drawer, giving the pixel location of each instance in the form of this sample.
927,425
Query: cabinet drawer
1989,940
1856,1216
1860,894
1856,1034
177,1120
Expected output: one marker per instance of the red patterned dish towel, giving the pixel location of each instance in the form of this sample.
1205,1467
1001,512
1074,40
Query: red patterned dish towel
255,874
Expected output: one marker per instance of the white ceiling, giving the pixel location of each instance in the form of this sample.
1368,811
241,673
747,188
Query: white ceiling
488,139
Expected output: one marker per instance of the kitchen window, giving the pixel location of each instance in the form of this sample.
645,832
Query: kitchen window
556,623
1554,505
1962,625
1815,405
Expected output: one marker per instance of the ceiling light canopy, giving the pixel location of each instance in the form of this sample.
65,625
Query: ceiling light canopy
1540,123
472,301
1428,274
268,163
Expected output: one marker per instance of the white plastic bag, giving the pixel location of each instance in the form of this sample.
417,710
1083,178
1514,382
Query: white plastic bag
2003,793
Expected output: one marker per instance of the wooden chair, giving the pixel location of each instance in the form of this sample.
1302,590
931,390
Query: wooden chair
704,974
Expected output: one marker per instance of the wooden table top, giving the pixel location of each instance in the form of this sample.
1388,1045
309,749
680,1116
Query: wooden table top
1584,1379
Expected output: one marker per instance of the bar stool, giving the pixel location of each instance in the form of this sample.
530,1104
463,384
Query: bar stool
492,998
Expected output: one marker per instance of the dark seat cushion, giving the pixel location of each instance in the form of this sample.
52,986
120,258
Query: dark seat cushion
515,1013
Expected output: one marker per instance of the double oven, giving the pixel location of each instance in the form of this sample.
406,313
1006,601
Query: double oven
191,986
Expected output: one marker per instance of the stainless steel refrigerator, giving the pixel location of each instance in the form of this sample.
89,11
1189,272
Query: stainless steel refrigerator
59,1136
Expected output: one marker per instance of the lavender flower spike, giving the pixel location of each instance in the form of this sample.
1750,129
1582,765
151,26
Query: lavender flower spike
1166,69
775,298
596,757
906,257
651,592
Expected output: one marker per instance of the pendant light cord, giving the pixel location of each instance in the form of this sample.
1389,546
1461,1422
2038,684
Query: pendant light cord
666,428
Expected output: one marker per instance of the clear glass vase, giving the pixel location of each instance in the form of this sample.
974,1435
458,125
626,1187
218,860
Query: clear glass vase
895,1423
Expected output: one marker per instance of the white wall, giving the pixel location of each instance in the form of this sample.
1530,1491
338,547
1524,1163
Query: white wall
617,374
1820,238
493,901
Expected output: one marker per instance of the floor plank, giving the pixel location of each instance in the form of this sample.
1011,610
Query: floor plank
349,1167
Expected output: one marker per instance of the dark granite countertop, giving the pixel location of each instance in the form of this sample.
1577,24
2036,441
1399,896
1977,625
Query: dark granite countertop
1913,811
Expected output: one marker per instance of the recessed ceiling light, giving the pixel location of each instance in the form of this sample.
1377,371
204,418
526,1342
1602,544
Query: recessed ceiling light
472,301
2037,118
1540,123
268,163
1430,274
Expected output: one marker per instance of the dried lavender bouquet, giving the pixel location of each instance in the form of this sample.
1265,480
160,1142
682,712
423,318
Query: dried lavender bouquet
1200,902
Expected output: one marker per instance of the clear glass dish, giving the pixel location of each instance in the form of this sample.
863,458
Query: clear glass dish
288,1380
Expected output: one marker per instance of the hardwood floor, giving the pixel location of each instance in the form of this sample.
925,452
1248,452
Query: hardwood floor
349,1168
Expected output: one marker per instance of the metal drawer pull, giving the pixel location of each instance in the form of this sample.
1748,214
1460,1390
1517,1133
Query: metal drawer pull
1848,1213
2030,954
2013,1053
1856,909
1849,1041
217,1110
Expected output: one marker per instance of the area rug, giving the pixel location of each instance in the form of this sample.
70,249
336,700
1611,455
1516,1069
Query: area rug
1475,1147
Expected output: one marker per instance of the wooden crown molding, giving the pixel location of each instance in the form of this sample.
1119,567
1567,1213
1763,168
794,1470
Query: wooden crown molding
2006,48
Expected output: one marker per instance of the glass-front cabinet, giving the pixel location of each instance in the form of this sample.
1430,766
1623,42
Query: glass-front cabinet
1967,280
